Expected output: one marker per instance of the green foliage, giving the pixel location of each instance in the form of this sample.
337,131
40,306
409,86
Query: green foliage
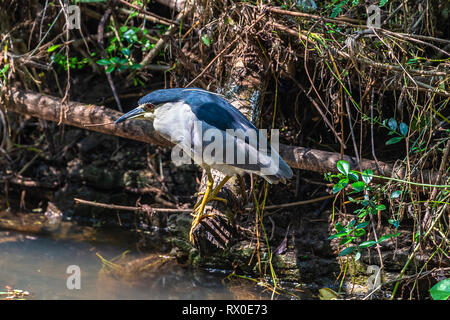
382,3
337,6
401,130
355,230
121,46
441,290
4,74
206,40
61,60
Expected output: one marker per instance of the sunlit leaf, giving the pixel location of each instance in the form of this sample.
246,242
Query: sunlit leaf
353,176
441,290
396,194
206,40
359,232
343,167
327,294
367,244
53,47
387,236
358,186
367,176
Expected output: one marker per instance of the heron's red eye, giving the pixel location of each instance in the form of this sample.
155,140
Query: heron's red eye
150,107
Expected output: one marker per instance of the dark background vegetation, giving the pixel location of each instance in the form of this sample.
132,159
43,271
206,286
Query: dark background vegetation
323,78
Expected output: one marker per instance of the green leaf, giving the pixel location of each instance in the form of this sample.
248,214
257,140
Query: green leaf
383,2
347,251
394,140
340,185
353,175
362,225
403,127
110,68
336,11
359,232
367,244
441,290
136,66
339,227
367,176
358,186
362,213
387,236
125,52
115,60
53,47
345,240
380,207
395,223
4,69
104,62
343,166
357,255
392,124
396,194
206,40
338,235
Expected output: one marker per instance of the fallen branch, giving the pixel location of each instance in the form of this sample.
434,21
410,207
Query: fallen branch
101,119
125,208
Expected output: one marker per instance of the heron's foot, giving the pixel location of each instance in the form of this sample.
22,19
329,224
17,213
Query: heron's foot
199,216
209,195
197,205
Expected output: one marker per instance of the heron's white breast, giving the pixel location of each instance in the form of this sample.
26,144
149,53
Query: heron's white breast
174,121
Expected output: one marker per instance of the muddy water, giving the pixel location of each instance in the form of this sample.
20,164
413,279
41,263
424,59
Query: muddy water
39,264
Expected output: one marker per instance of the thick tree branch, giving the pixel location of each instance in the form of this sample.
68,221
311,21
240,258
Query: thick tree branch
100,119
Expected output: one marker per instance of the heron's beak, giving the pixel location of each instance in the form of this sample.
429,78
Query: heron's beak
135,113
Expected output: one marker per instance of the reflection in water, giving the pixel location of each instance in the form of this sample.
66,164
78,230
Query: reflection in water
38,264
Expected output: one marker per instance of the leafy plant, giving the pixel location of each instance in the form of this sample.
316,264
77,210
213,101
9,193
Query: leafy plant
61,60
120,47
441,290
356,228
3,73
337,6
401,130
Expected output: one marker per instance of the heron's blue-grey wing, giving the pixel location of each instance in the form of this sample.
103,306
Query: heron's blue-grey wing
252,146
217,113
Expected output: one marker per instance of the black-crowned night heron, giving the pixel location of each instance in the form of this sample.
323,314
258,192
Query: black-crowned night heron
209,130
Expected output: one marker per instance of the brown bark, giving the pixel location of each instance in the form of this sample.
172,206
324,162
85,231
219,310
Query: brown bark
90,117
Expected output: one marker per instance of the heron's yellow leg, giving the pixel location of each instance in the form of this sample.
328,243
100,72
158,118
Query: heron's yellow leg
214,193
209,195
198,212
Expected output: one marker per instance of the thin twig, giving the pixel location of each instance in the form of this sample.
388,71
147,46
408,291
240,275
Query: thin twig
125,208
